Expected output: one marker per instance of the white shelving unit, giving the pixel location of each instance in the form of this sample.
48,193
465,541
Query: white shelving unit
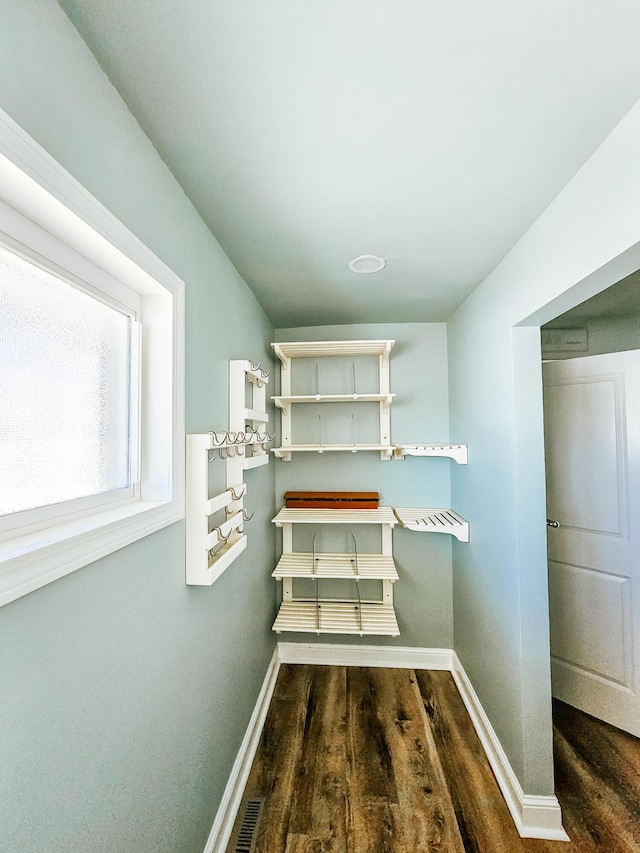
211,547
347,615
286,401
353,615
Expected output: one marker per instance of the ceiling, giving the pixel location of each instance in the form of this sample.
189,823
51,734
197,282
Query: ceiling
430,133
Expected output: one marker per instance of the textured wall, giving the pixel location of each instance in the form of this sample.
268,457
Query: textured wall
124,693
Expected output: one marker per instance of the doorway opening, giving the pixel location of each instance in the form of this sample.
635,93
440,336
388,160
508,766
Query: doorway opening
591,380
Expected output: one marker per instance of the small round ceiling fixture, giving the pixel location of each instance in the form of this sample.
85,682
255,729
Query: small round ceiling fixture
365,264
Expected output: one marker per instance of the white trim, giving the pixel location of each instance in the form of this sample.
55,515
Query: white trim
534,816
80,543
234,790
336,654
91,217
49,202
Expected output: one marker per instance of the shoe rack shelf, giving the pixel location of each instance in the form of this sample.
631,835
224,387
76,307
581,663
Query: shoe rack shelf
352,614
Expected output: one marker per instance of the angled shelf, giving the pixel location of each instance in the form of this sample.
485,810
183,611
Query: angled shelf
457,452
433,521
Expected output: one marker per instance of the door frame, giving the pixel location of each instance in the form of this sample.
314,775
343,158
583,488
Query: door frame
530,481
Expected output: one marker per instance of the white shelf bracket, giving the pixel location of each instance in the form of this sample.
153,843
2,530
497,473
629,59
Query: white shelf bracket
457,452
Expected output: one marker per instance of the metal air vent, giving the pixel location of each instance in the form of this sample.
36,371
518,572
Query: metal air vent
246,841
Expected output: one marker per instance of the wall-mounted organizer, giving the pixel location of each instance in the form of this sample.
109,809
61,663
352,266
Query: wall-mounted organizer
303,381
212,544
352,614
287,401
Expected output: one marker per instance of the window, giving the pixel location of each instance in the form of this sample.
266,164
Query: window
91,421
68,361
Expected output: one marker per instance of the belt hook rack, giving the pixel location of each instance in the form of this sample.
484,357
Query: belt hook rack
211,548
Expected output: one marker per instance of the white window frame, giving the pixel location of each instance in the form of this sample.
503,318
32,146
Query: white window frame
44,210
110,292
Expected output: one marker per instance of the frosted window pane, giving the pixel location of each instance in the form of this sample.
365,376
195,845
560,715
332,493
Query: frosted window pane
65,365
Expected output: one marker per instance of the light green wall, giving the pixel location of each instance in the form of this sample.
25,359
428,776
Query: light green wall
419,415
124,693
585,241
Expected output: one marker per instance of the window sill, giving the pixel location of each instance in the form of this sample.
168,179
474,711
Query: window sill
31,561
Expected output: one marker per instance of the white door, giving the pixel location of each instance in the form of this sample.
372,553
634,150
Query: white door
592,448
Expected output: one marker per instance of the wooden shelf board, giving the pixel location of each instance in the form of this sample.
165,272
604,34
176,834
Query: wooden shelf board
337,617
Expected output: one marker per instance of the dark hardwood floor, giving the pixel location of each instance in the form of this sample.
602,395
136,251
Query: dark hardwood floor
359,760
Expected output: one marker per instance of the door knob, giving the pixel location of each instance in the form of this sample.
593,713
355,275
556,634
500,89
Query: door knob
552,523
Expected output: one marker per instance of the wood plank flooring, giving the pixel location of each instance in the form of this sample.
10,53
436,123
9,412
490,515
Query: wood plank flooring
367,760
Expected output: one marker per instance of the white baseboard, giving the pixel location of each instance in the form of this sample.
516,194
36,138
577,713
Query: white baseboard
232,797
534,816
335,654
